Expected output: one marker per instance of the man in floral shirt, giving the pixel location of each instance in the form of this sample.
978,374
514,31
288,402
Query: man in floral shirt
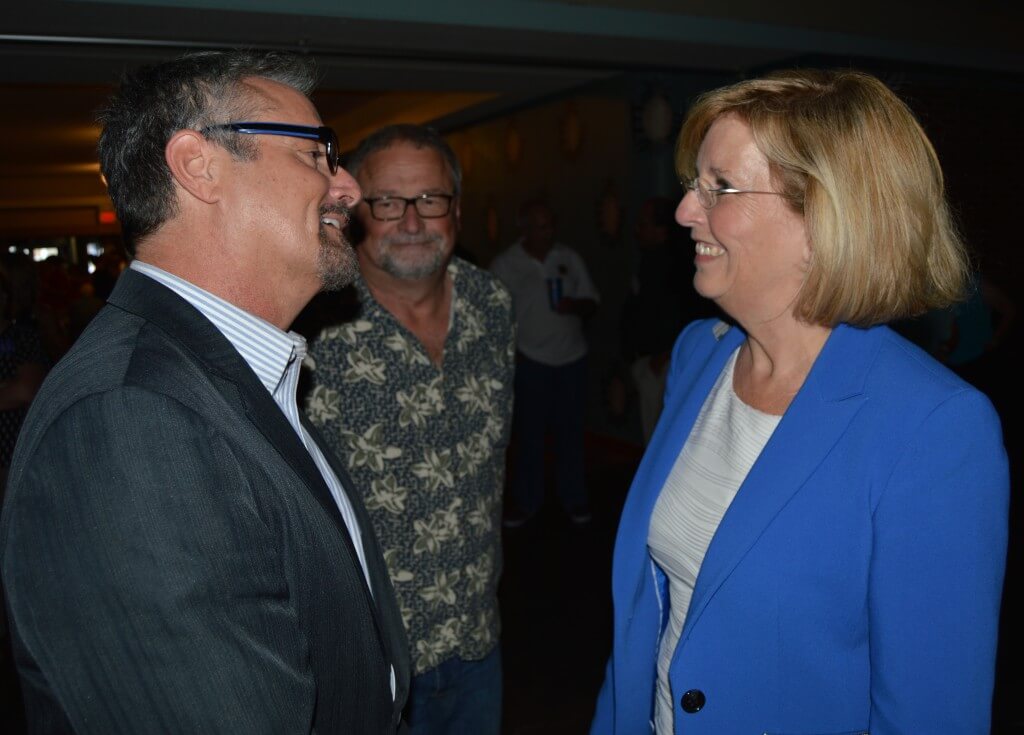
415,393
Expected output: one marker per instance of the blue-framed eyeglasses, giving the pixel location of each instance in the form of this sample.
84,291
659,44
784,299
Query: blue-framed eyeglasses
323,135
708,197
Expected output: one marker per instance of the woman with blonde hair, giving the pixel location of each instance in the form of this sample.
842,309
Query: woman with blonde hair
815,540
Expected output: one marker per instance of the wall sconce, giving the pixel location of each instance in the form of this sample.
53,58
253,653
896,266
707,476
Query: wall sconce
657,118
513,144
571,130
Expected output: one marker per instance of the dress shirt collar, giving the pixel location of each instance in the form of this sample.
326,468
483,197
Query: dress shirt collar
266,349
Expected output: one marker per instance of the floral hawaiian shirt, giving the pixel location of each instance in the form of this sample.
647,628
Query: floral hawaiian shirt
425,445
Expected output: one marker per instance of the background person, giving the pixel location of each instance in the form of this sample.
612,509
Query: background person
552,294
823,506
414,391
659,304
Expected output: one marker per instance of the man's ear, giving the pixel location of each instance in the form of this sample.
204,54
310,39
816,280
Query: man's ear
194,164
457,204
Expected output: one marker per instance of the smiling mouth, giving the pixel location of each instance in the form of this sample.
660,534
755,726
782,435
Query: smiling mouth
334,216
704,248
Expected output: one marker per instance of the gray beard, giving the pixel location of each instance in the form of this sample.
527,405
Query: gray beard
336,264
412,271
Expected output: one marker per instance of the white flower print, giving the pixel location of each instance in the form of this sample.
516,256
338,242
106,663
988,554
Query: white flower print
410,353
428,654
449,632
471,326
324,405
369,448
476,393
406,612
481,632
435,469
443,638
442,526
443,589
473,453
481,517
348,332
499,296
398,576
479,574
434,394
387,494
363,365
422,402
494,427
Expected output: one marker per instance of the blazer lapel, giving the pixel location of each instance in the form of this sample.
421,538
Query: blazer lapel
240,386
389,619
150,300
695,383
831,396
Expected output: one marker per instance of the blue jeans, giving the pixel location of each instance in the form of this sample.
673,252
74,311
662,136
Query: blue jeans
549,399
458,697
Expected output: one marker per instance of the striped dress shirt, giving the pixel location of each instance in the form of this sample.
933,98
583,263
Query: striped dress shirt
276,358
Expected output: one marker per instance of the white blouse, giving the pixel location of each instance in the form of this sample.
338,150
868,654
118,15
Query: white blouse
725,441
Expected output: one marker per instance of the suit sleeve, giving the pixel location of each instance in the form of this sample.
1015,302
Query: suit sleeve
603,722
940,533
143,582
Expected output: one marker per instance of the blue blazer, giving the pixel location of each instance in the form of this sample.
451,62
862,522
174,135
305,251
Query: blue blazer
853,585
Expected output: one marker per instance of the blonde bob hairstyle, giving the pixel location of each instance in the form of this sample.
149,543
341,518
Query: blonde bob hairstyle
851,159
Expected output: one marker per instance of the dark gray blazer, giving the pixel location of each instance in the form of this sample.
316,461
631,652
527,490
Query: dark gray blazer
172,559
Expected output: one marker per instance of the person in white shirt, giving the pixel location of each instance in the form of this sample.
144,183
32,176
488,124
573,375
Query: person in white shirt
552,294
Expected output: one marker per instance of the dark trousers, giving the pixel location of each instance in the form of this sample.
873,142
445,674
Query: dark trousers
549,399
457,697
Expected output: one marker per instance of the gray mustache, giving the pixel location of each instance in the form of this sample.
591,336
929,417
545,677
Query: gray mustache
420,239
335,210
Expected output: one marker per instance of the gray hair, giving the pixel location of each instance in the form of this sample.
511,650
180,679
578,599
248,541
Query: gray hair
194,91
419,136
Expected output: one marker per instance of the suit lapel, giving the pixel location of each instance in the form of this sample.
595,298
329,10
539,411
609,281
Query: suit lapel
831,396
150,300
695,383
389,621
676,422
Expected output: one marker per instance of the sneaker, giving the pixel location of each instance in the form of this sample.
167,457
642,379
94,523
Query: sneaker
580,517
516,519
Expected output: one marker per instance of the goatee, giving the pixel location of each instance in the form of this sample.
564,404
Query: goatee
337,264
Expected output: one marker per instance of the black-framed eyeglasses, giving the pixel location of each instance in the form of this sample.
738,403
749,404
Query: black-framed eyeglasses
708,197
323,135
428,206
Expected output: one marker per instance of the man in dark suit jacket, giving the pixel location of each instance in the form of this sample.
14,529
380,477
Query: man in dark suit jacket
178,554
